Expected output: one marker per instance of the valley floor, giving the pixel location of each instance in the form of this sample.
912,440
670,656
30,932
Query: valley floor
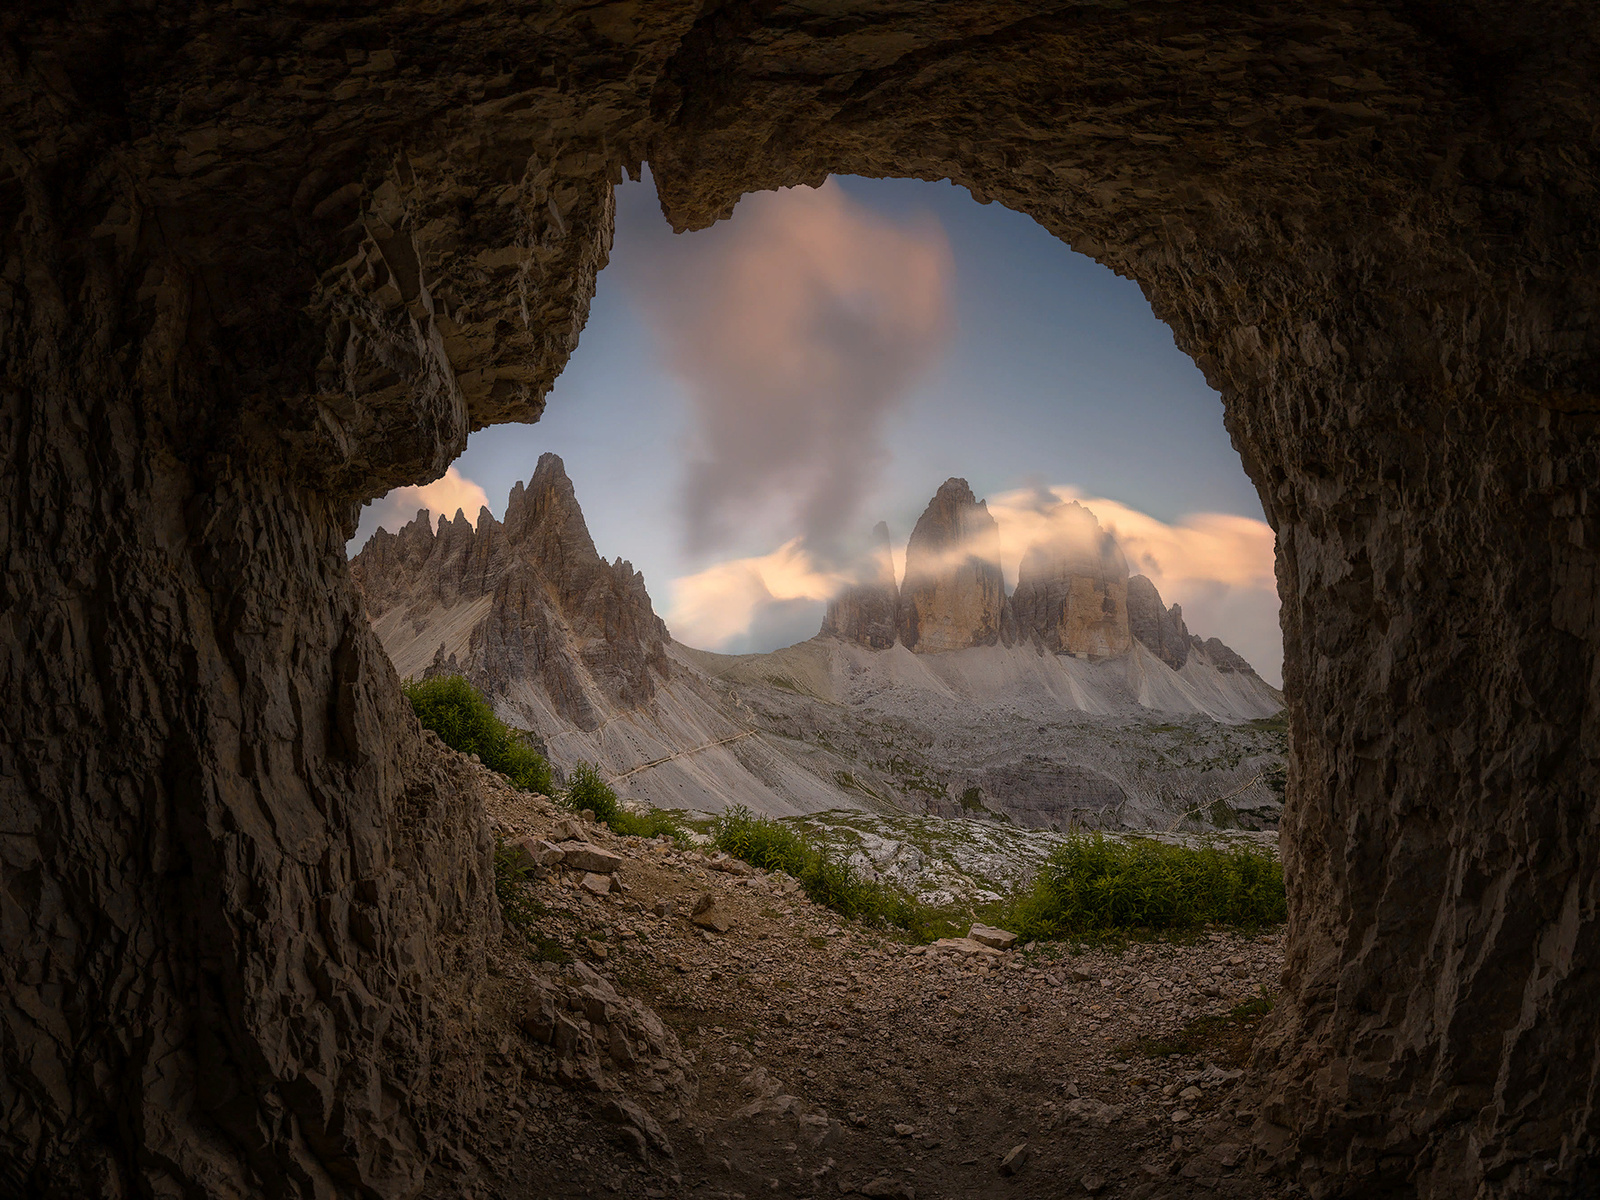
817,1058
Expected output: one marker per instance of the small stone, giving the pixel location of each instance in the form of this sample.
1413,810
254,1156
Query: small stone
987,935
1016,1158
1190,1094
569,830
664,908
1179,1116
586,857
905,1130
709,914
1093,1184
596,885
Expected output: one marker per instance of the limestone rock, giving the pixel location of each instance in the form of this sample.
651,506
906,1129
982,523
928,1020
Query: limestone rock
709,914
1072,589
953,596
585,856
1159,628
865,613
595,885
527,604
1015,1159
252,287
987,935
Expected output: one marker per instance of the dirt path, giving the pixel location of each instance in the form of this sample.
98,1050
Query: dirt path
821,1059
656,762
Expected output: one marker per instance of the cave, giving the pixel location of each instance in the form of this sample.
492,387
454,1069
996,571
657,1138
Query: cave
261,263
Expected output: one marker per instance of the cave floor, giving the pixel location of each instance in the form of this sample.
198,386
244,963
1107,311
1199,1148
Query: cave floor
824,1058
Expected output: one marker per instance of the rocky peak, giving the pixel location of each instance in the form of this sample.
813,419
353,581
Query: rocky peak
559,617
865,612
1072,589
1159,628
953,596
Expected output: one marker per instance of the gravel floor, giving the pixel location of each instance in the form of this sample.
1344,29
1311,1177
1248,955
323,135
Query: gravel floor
817,1058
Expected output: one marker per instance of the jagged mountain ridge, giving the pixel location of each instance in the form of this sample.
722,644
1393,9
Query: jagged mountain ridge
511,603
1010,713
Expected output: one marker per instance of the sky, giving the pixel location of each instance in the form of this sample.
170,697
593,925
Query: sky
747,401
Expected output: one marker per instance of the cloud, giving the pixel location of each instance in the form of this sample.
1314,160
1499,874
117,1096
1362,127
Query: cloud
443,496
745,603
796,328
1220,567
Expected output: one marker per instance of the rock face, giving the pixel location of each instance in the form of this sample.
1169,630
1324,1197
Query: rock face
866,613
1072,590
260,265
1159,628
527,601
953,596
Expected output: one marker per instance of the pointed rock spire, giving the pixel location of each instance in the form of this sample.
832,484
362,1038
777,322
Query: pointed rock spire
953,596
865,612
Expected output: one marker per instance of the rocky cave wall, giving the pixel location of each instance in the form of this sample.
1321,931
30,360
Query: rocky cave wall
258,264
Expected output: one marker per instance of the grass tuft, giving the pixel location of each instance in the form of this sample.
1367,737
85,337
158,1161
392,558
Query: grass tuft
1093,886
587,789
453,708
826,878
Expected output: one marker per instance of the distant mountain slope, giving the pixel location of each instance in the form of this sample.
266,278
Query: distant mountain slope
1086,702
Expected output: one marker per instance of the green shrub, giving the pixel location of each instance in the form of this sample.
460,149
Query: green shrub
587,789
510,872
452,708
1095,886
651,823
827,879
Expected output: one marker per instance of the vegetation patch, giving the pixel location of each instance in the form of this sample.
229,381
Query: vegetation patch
826,878
519,909
588,790
1094,886
454,709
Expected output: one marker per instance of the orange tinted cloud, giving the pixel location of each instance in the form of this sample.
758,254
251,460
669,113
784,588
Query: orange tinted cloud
796,327
444,495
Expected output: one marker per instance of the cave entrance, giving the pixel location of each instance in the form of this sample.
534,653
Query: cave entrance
748,401
260,269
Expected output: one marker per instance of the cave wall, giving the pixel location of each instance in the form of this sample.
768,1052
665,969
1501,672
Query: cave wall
259,264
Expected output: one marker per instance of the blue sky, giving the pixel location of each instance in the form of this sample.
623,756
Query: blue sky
991,351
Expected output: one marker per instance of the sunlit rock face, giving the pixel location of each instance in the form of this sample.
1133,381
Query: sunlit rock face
953,595
260,264
865,612
1160,628
527,602
1072,590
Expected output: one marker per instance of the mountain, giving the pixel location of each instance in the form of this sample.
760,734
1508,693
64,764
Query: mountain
1074,594
1081,700
953,596
524,609
866,612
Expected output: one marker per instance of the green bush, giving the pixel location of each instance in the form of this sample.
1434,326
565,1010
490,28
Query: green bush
510,872
649,824
826,879
587,789
452,708
1093,885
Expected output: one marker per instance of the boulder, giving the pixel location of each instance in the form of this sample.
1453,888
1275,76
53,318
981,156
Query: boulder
709,914
1000,939
585,856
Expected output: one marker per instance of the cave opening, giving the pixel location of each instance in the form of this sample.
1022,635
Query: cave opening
235,883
